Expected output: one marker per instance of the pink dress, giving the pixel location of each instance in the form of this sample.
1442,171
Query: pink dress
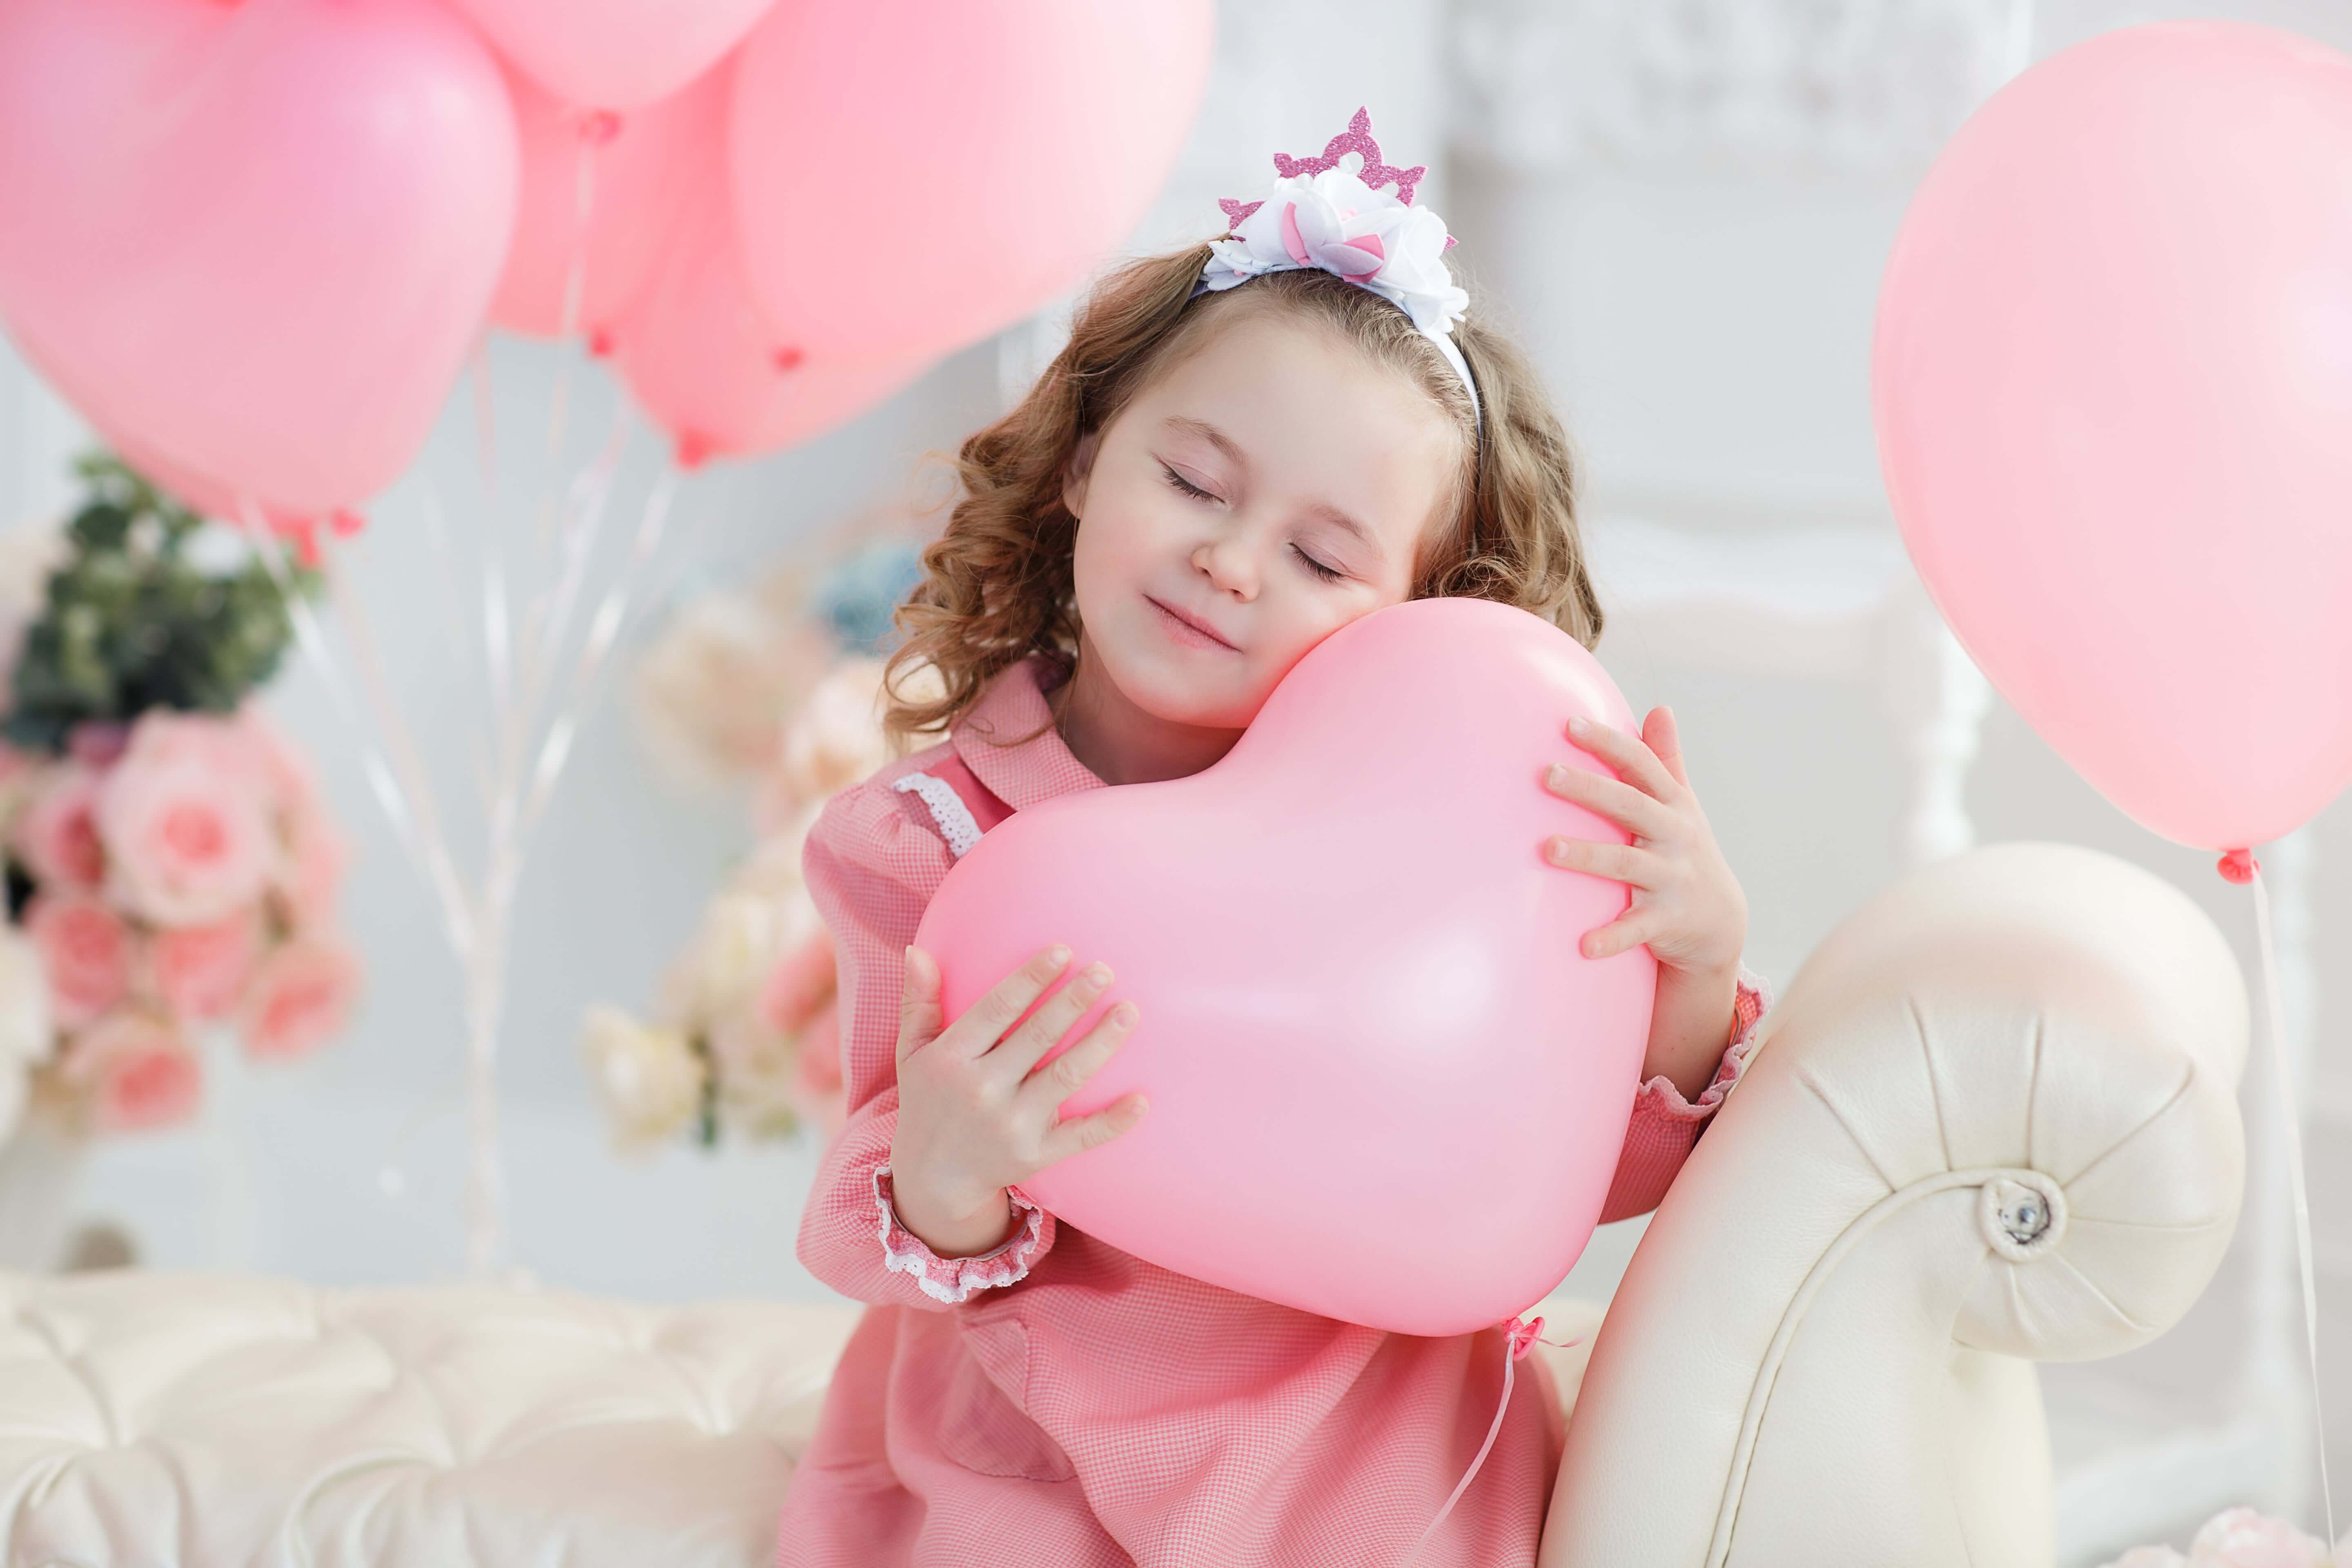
1057,1401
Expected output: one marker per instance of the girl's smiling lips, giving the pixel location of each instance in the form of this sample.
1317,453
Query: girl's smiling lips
1187,630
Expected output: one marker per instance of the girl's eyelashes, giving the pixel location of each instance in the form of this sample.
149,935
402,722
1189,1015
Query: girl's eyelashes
1328,573
1179,482
1186,486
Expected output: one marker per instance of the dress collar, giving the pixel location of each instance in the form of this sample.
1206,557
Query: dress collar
1013,705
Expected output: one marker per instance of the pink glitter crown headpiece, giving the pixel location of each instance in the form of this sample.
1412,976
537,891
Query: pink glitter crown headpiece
1356,139
1347,222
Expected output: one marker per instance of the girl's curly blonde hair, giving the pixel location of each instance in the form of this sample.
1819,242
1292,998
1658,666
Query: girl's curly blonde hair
998,585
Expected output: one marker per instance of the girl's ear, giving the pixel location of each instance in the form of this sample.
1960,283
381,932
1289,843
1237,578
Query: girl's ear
1080,470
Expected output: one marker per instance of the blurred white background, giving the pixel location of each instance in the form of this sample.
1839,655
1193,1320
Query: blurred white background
1684,206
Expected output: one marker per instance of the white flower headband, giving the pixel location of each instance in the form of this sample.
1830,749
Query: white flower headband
1320,215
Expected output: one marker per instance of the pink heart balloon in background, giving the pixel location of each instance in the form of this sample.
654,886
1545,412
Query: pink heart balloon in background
704,364
643,167
911,177
2112,384
210,498
1386,1086
257,239
614,54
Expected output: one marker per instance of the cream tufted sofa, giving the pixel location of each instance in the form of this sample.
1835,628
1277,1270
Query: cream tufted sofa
1992,1121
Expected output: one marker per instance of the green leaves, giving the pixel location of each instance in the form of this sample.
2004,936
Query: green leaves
134,619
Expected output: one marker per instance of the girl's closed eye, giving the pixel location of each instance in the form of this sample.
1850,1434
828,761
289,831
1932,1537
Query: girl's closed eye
1328,573
1186,486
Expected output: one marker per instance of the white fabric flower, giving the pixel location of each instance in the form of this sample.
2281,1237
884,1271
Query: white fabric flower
2241,1538
721,969
649,1080
710,696
1334,221
836,738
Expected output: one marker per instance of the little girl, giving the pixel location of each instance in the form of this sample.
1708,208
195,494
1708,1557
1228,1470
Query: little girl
1244,446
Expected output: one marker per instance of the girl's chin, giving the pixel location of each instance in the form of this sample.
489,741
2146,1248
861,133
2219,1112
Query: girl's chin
1174,694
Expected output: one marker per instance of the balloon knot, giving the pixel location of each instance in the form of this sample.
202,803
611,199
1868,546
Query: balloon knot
304,533
694,450
1523,1336
2239,866
345,522
599,126
600,343
789,357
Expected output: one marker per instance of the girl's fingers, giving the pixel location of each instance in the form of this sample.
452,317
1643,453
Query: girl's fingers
986,1019
1620,862
1628,755
1021,1049
1057,1080
1084,1132
1620,803
919,1003
1669,744
1630,930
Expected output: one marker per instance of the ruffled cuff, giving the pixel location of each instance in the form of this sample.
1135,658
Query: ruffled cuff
953,1279
1753,1000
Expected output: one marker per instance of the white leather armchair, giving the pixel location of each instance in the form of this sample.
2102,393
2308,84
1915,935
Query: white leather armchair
1992,1121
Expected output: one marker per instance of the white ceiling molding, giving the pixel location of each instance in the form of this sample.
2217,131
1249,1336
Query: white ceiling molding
1837,86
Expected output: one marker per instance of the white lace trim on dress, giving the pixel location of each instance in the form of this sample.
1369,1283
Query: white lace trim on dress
953,1279
948,809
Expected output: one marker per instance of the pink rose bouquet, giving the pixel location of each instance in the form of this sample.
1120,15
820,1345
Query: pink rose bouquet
174,877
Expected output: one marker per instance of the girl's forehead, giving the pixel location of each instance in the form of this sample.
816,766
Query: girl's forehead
1281,395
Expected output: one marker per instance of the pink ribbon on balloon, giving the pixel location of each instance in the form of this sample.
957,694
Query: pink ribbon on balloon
1520,1335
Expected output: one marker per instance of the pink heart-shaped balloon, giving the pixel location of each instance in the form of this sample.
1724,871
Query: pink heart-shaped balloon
642,168
257,240
708,365
614,54
911,177
1385,1085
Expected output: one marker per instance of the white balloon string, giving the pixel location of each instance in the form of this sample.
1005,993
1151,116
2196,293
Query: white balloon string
575,291
485,433
549,618
2290,1118
602,632
583,211
407,762
453,621
497,647
421,847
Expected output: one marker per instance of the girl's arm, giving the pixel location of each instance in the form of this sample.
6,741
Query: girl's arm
1665,1124
871,868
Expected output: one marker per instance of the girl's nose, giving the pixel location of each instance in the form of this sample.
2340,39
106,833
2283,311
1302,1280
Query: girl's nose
1228,564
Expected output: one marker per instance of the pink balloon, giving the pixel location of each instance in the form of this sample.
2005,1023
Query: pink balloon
200,493
641,167
257,240
2113,387
1386,1086
704,364
614,54
911,177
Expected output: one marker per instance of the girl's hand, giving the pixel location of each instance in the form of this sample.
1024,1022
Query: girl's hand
973,1116
1686,904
